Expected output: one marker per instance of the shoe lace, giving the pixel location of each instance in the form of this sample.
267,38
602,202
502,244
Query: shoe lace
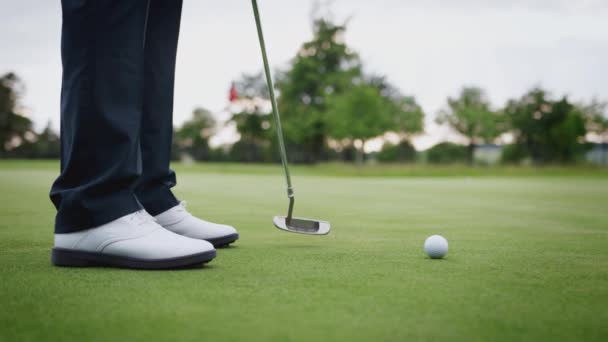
183,207
142,217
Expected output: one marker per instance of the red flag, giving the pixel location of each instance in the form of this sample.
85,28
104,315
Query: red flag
233,95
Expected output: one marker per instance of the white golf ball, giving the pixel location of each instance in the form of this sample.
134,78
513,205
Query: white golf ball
436,246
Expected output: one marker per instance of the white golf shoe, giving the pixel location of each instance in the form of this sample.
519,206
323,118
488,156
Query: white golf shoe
132,241
180,221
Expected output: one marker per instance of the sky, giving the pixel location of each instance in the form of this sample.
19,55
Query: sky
427,48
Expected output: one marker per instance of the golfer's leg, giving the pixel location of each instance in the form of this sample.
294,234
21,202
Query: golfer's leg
101,101
162,32
154,187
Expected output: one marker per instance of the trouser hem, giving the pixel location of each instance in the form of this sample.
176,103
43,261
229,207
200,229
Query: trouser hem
113,207
157,200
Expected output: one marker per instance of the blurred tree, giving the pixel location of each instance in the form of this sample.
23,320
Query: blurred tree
550,131
407,117
369,110
253,123
252,86
445,153
405,114
193,137
358,115
47,143
14,127
402,152
513,153
596,119
323,66
254,129
252,126
348,153
471,116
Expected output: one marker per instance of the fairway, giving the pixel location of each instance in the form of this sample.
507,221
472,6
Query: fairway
528,260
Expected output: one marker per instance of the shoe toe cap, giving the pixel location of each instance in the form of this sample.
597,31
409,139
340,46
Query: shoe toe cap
229,230
220,230
201,229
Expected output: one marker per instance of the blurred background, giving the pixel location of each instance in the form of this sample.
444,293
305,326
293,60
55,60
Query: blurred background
364,82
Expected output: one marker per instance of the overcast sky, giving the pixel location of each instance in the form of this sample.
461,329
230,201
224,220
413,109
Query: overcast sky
427,48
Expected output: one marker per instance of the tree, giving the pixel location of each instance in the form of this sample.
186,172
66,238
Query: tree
252,86
549,130
13,125
358,115
254,144
402,152
445,153
252,120
323,66
47,144
193,137
406,115
471,116
596,119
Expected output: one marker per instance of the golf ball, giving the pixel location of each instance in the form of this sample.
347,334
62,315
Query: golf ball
436,246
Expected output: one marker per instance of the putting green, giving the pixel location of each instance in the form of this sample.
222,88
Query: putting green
528,260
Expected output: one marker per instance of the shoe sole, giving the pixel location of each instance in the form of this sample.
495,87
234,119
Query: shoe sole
223,241
72,258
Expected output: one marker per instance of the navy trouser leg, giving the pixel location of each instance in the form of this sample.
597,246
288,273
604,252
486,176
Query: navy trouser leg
102,50
162,33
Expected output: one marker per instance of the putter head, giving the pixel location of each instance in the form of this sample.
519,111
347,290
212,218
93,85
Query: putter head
302,225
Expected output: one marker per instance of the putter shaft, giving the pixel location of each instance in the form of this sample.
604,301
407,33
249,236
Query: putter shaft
289,223
275,109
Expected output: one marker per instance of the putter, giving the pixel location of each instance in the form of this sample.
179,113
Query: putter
287,223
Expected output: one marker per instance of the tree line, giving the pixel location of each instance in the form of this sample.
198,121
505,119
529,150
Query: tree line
331,108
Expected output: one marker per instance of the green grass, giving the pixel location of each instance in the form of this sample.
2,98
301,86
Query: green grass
374,170
528,260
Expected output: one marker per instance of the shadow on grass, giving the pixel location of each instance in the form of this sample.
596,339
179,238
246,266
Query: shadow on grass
195,267
436,259
227,247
